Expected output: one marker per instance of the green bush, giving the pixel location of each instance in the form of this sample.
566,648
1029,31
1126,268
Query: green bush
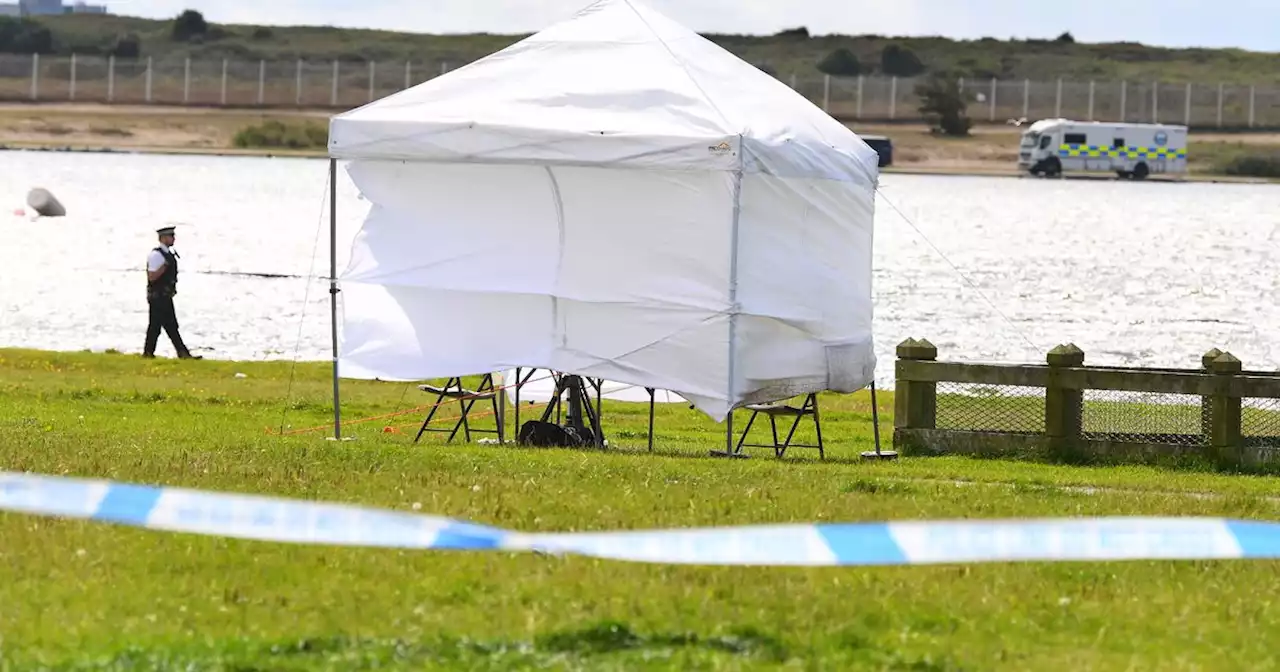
126,46
1253,165
900,61
840,63
189,25
277,134
943,105
24,36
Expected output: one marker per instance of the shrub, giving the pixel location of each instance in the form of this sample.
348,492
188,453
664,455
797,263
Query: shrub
188,25
24,36
277,134
801,33
944,105
900,61
126,46
840,63
1253,165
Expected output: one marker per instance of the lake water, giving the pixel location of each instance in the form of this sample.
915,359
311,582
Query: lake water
1133,273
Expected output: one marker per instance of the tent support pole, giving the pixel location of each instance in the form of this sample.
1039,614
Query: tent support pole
732,298
733,301
333,291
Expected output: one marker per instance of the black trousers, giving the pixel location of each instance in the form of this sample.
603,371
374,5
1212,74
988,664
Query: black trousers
163,317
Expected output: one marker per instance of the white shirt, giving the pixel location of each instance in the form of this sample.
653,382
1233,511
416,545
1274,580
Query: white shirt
155,260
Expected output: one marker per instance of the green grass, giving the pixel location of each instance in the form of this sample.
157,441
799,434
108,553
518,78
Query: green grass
274,134
783,54
76,595
1236,158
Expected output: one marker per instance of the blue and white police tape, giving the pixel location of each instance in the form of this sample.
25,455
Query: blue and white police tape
894,543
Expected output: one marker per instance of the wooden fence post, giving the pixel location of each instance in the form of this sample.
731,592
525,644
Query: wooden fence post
1206,401
915,402
1225,437
1063,407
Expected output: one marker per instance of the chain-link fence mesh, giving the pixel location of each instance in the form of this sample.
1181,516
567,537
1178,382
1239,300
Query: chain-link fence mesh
1260,418
990,408
1143,417
347,83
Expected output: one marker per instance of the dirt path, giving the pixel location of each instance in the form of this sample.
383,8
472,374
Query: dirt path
133,127
990,149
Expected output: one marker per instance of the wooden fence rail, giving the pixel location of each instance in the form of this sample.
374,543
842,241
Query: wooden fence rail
1066,411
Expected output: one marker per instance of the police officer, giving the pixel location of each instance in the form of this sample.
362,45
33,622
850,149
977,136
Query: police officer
162,285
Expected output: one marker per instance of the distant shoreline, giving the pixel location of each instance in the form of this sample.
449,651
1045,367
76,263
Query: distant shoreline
1203,178
170,130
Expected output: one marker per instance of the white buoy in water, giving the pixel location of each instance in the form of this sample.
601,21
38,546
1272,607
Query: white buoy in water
45,203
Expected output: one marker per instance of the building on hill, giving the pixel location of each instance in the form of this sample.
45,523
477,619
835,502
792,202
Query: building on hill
48,7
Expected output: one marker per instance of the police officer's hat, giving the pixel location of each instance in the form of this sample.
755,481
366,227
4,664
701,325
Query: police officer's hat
166,231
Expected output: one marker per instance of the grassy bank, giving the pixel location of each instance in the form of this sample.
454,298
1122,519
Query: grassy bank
788,52
276,134
88,595
991,150
1239,157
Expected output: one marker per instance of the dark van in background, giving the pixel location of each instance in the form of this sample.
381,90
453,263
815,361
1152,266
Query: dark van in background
883,147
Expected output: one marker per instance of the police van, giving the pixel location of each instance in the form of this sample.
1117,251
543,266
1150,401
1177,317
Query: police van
1051,146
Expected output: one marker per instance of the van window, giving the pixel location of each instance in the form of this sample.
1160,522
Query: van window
1118,143
1044,142
1075,139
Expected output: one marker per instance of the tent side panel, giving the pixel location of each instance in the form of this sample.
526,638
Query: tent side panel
415,333
805,287
609,273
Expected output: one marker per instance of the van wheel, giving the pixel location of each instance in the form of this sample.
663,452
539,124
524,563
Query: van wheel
1052,167
1141,171
1124,174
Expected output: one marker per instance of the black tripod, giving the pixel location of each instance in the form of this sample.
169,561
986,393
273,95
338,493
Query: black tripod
579,407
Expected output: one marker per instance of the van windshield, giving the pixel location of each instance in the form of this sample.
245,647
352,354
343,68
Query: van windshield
1029,139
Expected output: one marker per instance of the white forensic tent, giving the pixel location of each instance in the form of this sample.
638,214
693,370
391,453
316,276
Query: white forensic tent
615,197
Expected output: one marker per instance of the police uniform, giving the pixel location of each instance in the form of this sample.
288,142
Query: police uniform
160,293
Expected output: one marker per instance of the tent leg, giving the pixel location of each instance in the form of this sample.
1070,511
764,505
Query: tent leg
516,436
599,411
875,423
333,292
730,450
501,410
651,400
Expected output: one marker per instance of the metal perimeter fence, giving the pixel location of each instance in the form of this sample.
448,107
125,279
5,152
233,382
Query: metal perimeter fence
343,85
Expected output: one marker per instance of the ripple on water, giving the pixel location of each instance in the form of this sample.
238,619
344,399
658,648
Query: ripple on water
1134,273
